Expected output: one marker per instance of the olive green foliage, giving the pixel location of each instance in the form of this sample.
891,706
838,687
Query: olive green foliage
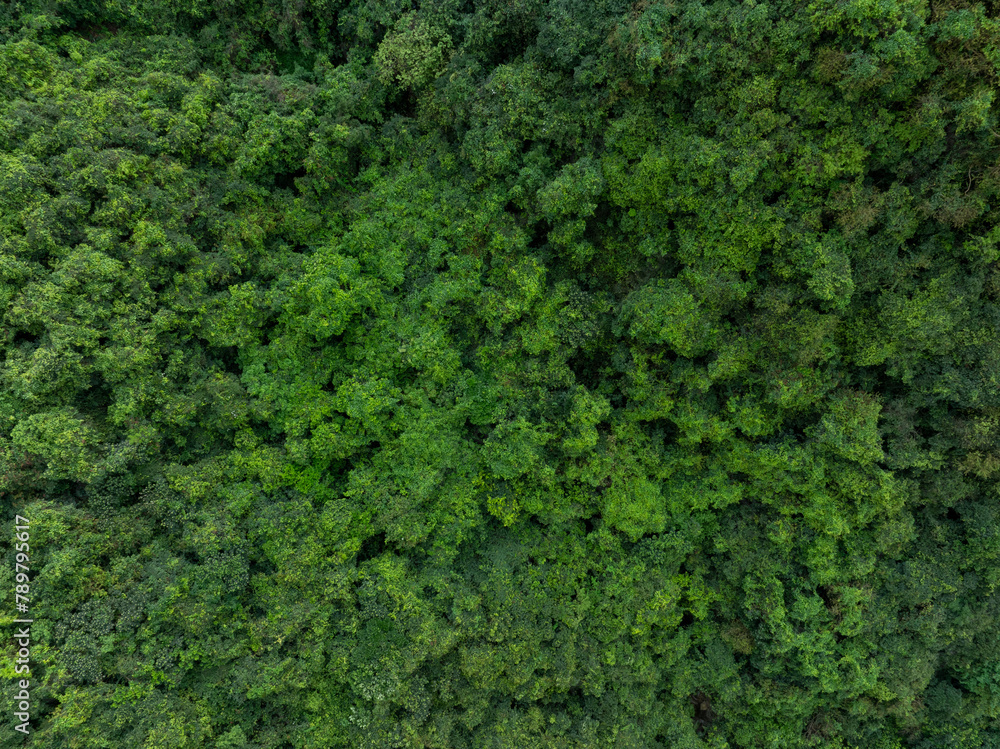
412,54
535,374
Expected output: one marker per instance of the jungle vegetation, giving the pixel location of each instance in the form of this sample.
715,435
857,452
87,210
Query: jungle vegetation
503,374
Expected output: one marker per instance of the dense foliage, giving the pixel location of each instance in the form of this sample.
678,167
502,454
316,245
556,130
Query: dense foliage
513,373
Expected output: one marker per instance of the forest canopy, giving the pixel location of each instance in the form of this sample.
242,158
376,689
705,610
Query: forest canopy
522,374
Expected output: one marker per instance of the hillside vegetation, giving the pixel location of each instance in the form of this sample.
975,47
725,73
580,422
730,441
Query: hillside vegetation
503,374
